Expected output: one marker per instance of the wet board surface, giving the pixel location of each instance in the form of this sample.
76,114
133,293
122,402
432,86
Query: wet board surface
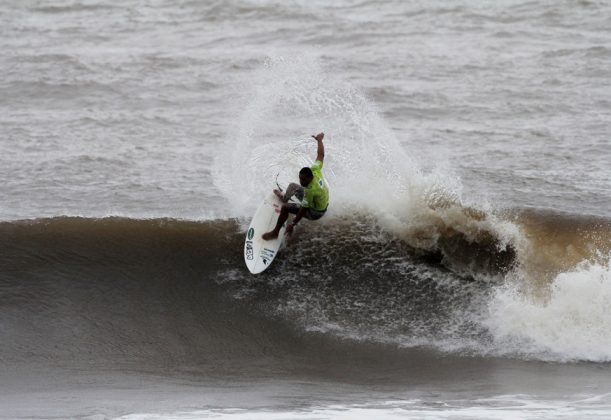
259,253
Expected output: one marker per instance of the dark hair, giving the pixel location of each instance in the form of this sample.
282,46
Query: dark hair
307,172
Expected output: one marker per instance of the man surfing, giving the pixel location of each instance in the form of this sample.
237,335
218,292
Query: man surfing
313,192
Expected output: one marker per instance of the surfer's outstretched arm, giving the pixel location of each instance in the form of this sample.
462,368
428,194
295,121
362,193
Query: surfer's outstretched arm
320,153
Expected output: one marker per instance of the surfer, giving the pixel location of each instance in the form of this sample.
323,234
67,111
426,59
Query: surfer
312,191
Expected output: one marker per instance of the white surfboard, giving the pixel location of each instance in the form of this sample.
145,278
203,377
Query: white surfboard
259,253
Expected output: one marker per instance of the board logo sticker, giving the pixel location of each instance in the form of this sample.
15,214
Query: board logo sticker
251,233
249,251
267,255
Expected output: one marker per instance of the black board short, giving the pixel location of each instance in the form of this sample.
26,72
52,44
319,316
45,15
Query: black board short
309,214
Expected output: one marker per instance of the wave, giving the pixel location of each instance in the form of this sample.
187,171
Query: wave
401,258
175,294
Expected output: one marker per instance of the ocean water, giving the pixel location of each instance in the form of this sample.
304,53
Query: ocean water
463,268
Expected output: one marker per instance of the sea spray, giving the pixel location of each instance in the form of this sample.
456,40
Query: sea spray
370,173
291,98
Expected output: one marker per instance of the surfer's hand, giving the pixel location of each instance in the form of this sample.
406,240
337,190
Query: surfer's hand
319,136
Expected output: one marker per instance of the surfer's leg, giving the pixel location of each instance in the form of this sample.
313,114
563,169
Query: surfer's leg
293,208
293,189
284,214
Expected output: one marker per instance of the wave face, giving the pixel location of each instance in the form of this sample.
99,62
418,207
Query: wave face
112,291
175,295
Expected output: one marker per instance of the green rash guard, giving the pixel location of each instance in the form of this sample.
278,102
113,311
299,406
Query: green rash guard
316,195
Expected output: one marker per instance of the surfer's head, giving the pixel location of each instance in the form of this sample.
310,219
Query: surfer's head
305,176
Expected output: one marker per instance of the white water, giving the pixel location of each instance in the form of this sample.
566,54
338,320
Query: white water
572,324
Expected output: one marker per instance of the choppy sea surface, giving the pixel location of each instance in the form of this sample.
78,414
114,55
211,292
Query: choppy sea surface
463,268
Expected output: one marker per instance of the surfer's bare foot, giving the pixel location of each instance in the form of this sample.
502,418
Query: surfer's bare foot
279,194
270,235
